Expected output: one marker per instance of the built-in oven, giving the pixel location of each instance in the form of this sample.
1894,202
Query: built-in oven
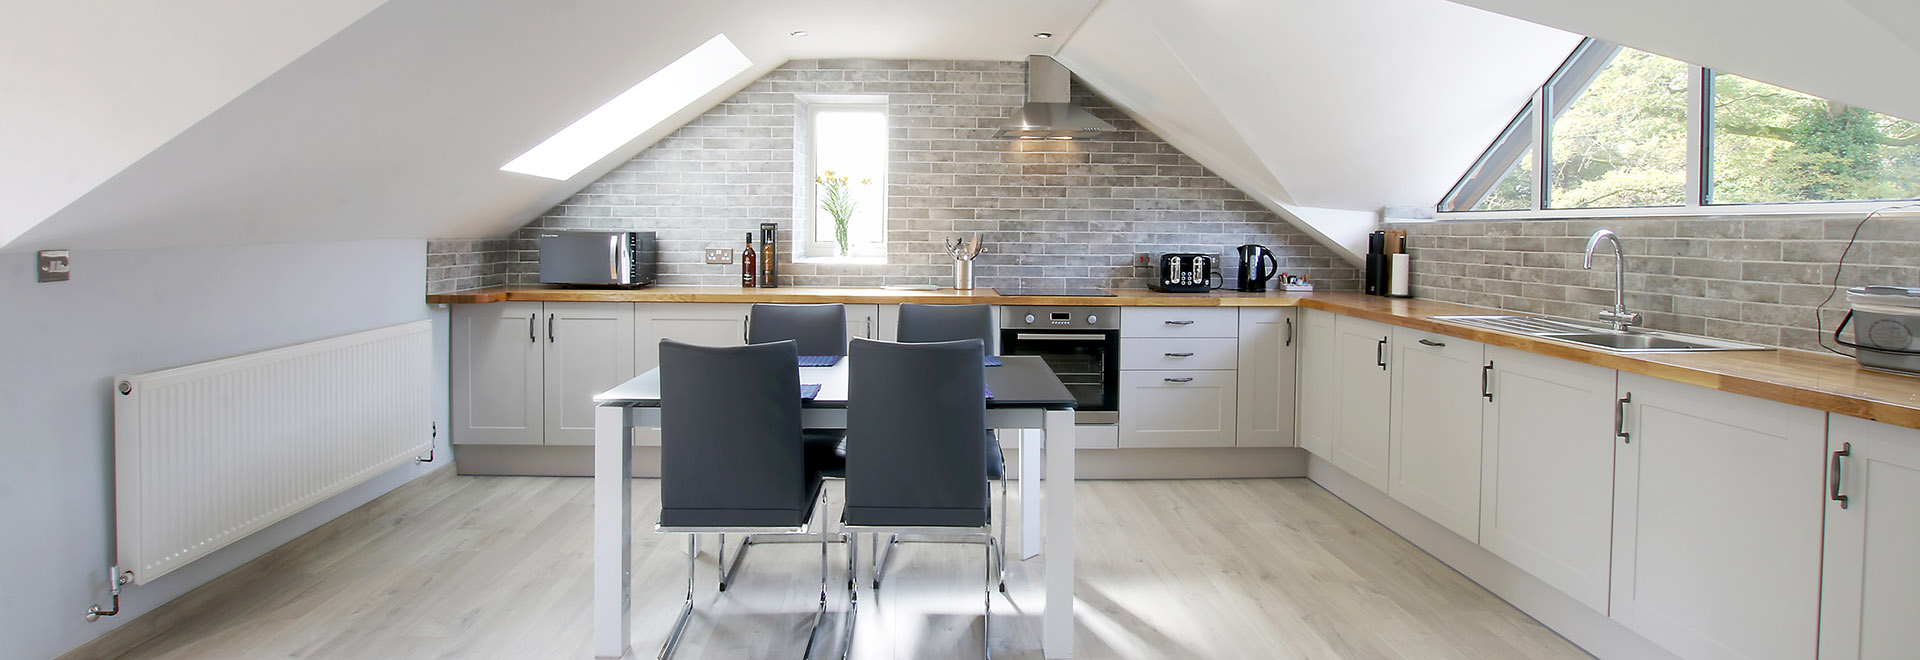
1080,344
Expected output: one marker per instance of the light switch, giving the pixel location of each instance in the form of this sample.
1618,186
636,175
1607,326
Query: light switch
719,255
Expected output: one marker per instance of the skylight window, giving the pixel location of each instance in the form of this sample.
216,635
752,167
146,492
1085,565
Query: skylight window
633,112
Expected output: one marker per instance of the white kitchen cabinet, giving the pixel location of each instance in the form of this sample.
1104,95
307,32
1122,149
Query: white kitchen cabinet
706,324
1266,372
1546,472
1361,387
1435,427
863,321
1185,353
525,372
1315,381
495,368
1870,601
1717,503
1179,322
1177,409
589,349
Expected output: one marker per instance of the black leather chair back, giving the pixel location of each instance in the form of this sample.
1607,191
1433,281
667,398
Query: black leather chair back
730,451
915,414
928,323
819,329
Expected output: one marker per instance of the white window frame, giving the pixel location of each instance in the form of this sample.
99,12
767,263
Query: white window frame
809,249
1698,131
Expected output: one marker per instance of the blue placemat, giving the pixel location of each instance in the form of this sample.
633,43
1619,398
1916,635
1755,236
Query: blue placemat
989,391
993,361
819,360
809,390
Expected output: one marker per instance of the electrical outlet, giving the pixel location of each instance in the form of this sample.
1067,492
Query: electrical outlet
719,255
1142,260
55,266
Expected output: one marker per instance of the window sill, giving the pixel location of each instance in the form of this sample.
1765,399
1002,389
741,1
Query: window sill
841,260
1806,209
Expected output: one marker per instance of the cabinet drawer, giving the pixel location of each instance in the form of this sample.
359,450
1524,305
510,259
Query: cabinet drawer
1179,322
1208,353
1177,408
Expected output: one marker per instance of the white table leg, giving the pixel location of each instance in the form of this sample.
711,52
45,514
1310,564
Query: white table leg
1056,626
612,533
1030,446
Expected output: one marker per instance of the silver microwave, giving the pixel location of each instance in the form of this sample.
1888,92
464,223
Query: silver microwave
597,258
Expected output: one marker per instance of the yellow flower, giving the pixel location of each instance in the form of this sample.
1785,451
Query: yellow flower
829,173
865,181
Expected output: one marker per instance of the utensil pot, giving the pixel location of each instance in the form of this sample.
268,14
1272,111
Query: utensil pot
963,274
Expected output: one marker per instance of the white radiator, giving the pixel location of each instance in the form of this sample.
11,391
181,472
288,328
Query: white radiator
208,453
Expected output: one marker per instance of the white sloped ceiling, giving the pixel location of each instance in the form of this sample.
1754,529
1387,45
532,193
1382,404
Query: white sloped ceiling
1861,52
91,86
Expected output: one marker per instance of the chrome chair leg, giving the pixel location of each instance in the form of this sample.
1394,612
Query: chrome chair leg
986,620
686,611
1002,545
820,613
853,592
881,555
729,569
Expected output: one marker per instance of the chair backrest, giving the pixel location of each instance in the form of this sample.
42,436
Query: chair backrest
929,323
730,430
819,329
915,416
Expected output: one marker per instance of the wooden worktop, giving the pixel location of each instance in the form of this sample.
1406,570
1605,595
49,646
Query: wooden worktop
1814,380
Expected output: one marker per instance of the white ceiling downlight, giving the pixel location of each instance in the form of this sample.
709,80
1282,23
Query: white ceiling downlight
633,112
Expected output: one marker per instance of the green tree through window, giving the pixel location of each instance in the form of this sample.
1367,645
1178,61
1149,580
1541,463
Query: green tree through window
1772,144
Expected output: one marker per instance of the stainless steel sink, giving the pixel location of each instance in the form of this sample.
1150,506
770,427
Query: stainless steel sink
1622,341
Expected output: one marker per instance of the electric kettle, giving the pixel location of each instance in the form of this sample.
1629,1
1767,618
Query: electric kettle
1257,265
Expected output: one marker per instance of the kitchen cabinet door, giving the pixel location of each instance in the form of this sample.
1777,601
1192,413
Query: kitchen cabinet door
1546,472
1316,381
1716,535
1266,373
863,321
706,324
1871,597
589,349
495,369
1434,428
1360,442
1177,409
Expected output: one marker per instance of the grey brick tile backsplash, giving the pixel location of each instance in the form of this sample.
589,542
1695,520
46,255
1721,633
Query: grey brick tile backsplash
1052,214
1754,279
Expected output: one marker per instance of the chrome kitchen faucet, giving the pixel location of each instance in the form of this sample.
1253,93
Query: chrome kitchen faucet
1618,316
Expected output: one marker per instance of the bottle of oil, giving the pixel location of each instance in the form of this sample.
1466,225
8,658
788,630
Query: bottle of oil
749,271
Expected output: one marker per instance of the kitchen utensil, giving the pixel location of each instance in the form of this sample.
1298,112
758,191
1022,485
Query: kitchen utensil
1257,265
964,251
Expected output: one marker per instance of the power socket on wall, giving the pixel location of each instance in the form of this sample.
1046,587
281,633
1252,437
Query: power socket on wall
719,255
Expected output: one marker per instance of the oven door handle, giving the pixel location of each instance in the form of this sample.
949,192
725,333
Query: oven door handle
1029,336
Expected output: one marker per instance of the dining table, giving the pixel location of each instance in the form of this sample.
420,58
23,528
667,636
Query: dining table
1026,396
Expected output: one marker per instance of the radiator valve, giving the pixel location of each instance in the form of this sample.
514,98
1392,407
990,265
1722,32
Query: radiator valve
119,579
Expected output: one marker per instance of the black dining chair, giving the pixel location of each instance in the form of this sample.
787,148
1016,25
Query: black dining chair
937,323
915,413
819,330
731,459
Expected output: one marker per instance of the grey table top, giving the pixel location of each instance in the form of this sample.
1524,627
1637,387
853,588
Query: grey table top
1023,381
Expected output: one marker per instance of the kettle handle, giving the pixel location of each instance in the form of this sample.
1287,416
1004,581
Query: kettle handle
1265,256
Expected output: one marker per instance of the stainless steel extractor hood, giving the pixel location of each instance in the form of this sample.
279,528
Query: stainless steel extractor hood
1050,112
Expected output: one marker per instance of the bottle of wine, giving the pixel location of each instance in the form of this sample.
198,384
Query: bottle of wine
749,271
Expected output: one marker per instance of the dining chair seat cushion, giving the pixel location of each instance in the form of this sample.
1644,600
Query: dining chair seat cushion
742,517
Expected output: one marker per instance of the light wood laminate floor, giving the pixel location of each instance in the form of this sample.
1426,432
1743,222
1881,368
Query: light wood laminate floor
498,567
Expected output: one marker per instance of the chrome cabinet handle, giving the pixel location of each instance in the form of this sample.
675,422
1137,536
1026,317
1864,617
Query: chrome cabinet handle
1179,323
1380,354
550,327
1620,419
1486,381
1178,380
1846,449
531,318
1289,341
1429,342
1179,355
745,321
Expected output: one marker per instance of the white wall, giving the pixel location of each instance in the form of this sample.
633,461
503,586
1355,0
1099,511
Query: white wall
130,310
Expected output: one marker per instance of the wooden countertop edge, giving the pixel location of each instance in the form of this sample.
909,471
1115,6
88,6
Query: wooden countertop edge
1726,372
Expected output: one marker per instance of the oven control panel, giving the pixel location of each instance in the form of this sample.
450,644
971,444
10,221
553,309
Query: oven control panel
1059,318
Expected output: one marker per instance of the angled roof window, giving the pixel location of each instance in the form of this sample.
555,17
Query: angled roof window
633,112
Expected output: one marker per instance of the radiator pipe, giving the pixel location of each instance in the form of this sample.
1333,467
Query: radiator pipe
119,578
